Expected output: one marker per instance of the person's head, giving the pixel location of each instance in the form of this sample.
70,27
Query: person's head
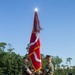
48,58
25,60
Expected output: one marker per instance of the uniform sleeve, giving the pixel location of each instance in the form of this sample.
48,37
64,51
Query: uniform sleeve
51,68
24,68
27,69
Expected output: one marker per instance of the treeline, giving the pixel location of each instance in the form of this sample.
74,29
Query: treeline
11,63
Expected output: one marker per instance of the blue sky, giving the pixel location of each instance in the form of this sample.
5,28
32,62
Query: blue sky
57,18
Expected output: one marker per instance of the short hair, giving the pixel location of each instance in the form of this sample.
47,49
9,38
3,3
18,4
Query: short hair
48,56
25,58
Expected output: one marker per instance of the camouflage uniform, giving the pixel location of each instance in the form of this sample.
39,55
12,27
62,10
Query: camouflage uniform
25,69
49,69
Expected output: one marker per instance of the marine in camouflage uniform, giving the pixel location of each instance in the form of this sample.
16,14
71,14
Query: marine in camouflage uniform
25,68
49,69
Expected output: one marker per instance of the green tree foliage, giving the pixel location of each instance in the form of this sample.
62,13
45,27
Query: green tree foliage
68,60
2,45
43,61
10,62
2,55
73,69
56,61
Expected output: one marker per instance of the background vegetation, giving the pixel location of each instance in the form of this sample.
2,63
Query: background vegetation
11,63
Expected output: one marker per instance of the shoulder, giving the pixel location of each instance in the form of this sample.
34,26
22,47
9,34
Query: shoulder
25,66
50,64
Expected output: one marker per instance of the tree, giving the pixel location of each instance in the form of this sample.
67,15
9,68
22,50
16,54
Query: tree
56,61
68,60
2,45
2,62
2,54
10,62
10,50
43,60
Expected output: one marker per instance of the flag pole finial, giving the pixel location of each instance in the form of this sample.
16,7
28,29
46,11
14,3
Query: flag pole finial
36,9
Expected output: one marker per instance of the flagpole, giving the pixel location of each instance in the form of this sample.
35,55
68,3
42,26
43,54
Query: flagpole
34,45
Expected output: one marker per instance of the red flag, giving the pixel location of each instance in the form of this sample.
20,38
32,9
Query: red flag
34,46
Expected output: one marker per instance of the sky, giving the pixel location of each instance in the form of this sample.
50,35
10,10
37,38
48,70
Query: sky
57,18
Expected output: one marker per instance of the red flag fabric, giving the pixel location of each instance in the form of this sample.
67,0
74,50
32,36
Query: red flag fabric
34,46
